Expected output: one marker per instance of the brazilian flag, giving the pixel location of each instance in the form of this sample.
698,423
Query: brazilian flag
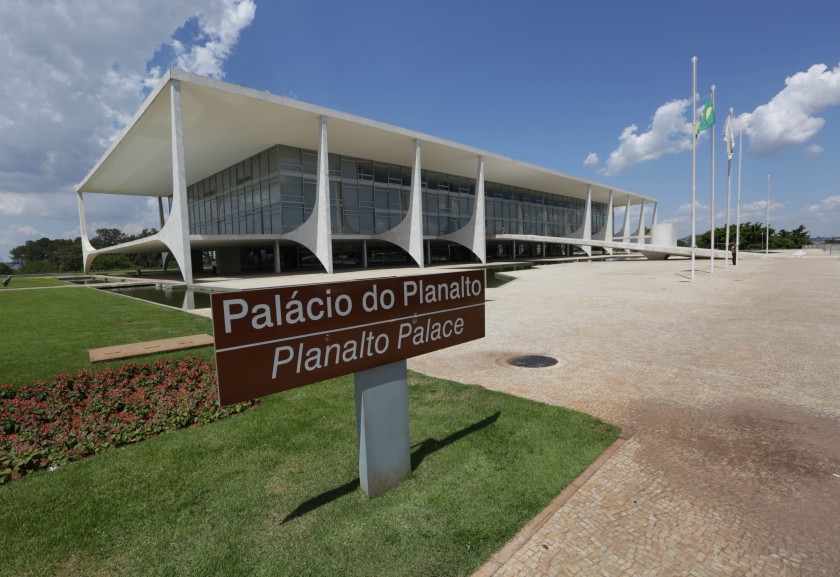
707,117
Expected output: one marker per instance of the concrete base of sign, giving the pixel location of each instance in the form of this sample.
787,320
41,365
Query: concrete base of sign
382,427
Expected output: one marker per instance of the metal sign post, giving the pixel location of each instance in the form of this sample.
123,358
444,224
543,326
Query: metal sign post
382,427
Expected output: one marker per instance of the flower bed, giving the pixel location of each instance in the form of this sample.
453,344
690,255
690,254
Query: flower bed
46,425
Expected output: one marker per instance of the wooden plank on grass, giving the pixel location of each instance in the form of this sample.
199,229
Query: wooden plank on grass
130,350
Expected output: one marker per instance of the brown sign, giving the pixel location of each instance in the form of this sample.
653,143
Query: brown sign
276,339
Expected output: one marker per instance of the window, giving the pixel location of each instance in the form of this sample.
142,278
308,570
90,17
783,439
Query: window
365,170
289,158
292,217
310,163
291,188
348,168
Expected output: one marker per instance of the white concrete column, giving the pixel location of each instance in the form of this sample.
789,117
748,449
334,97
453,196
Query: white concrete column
88,252
316,233
606,233
415,216
408,234
584,232
322,202
278,268
587,221
175,234
641,231
164,255
473,235
625,231
480,231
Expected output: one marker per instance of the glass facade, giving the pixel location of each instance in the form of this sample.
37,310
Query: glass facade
448,202
367,197
274,192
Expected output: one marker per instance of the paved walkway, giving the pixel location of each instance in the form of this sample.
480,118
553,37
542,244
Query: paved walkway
729,387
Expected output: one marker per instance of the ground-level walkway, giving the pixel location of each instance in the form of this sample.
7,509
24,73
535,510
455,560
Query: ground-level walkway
729,388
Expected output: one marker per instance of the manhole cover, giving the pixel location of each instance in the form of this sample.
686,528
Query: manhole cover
531,362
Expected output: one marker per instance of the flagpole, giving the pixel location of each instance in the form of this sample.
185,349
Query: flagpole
729,144
738,210
712,237
767,226
693,160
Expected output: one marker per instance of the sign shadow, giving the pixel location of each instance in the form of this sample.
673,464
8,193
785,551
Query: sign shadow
420,452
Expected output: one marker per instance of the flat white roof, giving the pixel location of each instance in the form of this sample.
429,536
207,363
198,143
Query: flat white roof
225,124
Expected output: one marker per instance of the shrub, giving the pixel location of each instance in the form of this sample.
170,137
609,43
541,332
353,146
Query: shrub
111,262
38,267
50,424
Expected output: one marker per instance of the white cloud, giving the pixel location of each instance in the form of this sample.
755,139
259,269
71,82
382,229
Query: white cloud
75,72
823,217
14,204
591,160
16,235
830,204
757,211
220,25
682,218
669,133
814,149
789,119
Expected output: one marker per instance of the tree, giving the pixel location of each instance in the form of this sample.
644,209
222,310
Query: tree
144,259
66,255
45,249
69,256
107,237
18,255
800,236
754,237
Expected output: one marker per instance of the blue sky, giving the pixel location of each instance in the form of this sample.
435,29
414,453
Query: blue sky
598,89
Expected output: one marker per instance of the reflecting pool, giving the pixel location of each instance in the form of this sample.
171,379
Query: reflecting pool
178,296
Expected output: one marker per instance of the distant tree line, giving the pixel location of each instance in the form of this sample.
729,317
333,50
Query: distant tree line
753,237
63,255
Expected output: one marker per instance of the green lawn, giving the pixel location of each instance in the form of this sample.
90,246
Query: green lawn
274,491
18,282
49,331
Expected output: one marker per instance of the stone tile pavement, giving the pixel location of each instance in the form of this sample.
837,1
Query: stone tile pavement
729,388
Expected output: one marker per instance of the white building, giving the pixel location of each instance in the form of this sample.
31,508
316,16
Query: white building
268,182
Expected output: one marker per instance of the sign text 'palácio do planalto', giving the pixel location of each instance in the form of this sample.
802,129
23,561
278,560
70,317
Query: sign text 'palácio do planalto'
275,339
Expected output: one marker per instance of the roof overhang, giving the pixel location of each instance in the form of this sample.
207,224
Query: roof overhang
224,124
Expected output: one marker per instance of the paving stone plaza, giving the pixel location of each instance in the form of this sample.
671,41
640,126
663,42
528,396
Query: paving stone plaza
728,393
